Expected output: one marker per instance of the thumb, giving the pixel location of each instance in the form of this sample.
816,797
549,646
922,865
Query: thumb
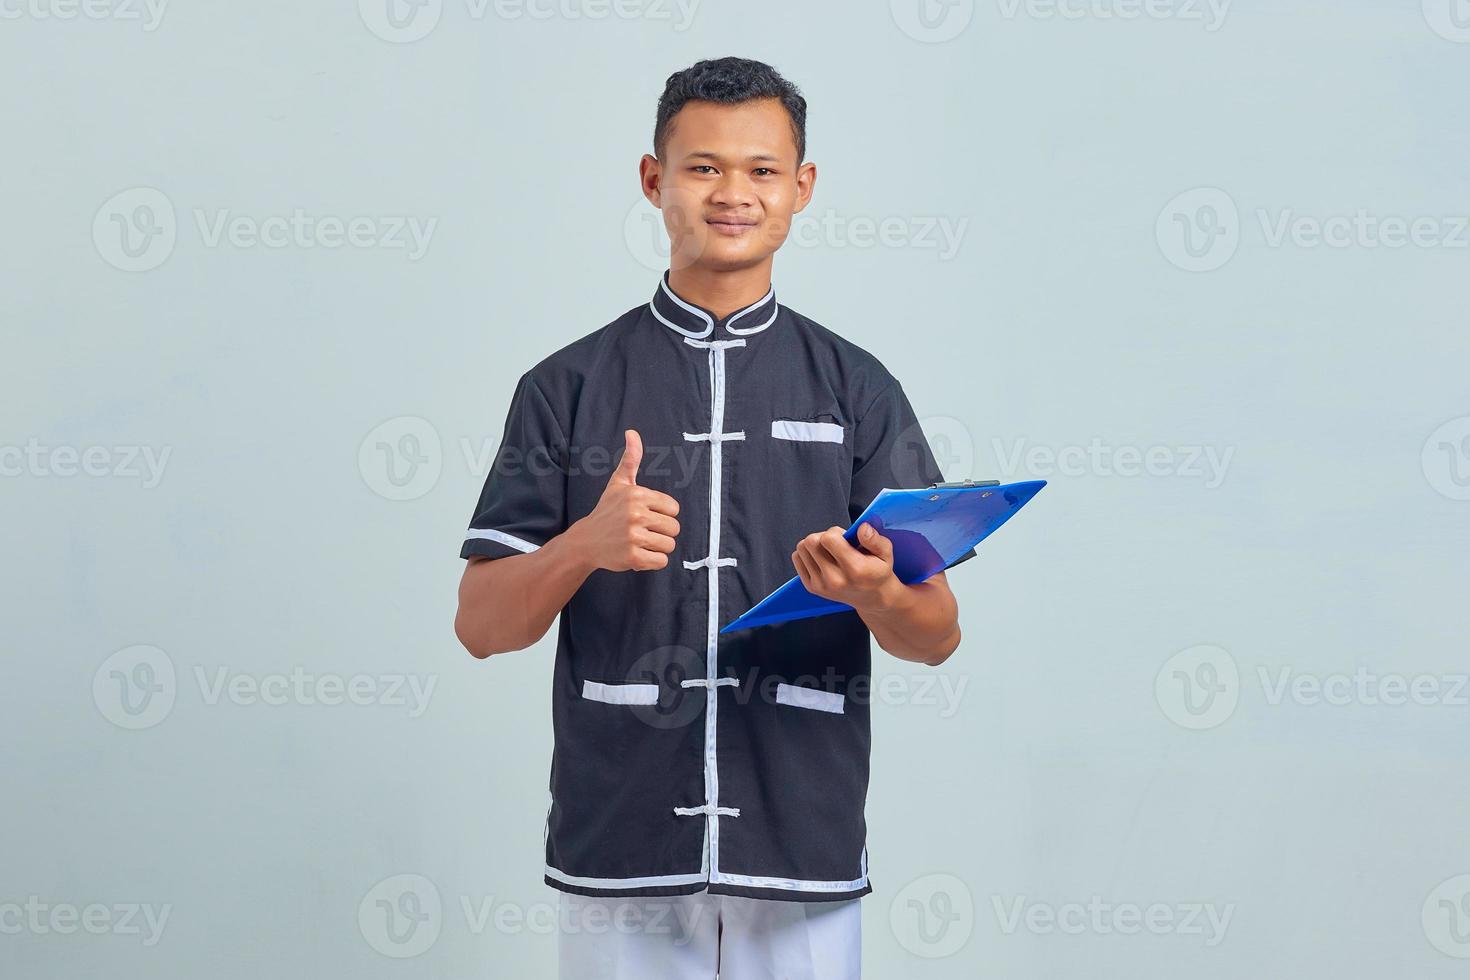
627,471
876,543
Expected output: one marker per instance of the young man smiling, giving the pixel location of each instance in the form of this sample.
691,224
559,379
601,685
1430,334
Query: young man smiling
707,792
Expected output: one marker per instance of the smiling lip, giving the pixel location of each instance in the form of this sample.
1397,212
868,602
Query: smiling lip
731,226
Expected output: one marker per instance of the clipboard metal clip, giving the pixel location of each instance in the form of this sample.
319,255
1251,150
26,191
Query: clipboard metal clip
962,485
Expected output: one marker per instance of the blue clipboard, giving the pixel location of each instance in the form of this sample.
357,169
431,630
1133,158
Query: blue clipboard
930,528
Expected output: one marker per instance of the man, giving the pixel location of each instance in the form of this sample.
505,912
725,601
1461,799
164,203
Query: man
707,791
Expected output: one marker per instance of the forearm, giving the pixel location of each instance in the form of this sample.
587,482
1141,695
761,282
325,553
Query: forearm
918,623
509,603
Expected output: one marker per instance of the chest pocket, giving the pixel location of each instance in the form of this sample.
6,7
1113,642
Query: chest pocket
814,428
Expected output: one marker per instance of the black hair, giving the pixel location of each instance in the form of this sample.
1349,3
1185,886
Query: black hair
730,81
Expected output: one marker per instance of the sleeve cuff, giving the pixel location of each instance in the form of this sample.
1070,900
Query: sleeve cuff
491,543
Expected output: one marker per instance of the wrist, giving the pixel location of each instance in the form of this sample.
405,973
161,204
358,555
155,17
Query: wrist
892,596
570,549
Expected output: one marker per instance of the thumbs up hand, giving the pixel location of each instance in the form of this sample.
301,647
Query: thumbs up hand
632,528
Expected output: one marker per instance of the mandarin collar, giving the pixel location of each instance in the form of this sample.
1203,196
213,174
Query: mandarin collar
693,320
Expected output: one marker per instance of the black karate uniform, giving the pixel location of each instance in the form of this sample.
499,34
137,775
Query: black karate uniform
685,760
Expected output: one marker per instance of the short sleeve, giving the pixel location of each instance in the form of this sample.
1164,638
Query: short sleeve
523,503
891,450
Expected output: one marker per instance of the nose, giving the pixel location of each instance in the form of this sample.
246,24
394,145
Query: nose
733,190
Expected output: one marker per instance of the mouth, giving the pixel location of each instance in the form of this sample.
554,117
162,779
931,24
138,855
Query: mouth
731,226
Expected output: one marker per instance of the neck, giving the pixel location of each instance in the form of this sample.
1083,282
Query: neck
722,291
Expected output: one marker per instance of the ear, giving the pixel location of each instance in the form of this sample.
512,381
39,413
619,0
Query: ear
649,174
806,183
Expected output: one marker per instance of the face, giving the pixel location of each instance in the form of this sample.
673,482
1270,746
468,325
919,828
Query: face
728,184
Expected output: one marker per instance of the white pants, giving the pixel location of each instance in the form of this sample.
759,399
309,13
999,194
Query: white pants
704,936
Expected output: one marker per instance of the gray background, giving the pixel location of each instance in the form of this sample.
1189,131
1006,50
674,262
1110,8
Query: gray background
1115,731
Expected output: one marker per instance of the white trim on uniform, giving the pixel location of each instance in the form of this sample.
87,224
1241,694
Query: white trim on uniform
797,884
712,562
706,682
730,323
789,884
705,562
510,540
620,693
647,881
714,436
709,324
809,697
806,431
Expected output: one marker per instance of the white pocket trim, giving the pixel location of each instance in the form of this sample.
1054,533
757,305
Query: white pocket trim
620,693
809,697
806,431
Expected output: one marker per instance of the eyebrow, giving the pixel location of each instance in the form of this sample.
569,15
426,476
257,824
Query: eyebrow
711,155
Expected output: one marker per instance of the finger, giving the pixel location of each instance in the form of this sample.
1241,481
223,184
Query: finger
841,551
661,524
876,543
803,570
823,563
662,503
627,471
650,561
661,543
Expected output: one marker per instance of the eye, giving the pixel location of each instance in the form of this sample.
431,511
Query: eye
764,171
702,168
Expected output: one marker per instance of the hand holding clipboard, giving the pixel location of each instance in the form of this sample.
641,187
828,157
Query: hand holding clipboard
930,528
